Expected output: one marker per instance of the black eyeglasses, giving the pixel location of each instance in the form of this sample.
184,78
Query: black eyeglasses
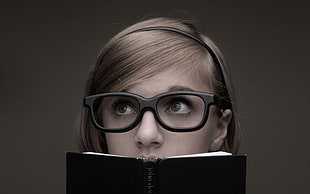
178,111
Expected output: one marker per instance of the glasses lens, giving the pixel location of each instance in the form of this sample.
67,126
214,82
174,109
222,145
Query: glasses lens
115,112
181,111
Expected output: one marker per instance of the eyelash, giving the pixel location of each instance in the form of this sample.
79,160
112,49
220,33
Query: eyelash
118,102
187,102
182,100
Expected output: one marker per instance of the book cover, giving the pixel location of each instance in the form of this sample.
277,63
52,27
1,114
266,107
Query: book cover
214,173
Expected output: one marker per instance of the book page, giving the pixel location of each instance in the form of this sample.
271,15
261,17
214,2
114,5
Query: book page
103,154
218,153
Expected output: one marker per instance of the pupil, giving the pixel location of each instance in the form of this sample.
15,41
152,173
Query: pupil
122,108
176,106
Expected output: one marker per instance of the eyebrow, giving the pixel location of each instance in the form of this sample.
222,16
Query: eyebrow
172,89
179,88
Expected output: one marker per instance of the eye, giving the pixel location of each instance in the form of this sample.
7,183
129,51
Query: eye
124,108
179,106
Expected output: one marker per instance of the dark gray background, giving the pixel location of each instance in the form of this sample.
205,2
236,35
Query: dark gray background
47,47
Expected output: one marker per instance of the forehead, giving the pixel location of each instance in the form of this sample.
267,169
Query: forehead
170,80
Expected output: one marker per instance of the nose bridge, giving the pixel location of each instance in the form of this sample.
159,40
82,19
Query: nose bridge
148,132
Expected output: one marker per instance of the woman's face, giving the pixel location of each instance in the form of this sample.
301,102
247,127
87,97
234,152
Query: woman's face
148,139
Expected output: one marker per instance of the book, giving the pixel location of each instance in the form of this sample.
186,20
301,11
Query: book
210,173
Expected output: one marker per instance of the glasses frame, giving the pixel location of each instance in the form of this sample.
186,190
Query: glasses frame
150,104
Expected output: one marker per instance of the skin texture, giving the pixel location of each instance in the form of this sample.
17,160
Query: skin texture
150,140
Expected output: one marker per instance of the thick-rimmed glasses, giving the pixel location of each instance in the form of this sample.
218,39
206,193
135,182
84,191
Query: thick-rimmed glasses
178,111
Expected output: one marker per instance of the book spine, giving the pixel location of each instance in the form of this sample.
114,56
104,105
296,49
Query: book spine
149,176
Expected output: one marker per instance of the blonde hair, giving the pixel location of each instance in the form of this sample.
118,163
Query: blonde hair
129,58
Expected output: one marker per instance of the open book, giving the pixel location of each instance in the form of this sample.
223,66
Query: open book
215,172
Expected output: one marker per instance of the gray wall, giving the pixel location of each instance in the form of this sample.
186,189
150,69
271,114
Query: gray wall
47,48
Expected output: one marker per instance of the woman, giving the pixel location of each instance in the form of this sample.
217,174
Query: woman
159,88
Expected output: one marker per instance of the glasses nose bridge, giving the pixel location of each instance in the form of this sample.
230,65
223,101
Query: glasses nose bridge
148,104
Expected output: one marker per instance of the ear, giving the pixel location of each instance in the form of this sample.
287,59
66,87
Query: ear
221,131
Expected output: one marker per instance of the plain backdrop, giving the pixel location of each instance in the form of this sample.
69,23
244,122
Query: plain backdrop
47,47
